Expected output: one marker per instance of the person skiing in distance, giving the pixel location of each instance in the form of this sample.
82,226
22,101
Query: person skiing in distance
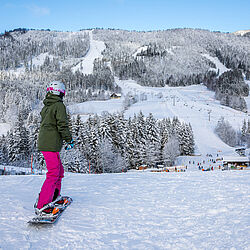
53,131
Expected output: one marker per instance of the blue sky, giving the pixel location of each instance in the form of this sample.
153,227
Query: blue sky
73,15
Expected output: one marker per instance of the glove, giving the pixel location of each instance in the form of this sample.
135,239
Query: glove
70,145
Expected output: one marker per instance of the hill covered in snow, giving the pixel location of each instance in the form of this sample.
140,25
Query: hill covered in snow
189,210
242,32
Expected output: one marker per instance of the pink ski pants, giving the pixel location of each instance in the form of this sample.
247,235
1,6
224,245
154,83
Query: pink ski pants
52,184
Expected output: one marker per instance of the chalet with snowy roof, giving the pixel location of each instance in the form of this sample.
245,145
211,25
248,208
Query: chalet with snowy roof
115,96
241,151
235,162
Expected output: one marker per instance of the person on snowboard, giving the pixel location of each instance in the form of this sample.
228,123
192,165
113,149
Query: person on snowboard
54,130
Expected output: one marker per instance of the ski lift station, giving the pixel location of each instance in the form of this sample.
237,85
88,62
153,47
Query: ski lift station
235,162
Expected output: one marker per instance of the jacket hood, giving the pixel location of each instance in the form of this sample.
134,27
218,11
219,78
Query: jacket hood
51,99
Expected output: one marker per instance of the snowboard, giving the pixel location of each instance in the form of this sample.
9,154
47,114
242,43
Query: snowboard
51,220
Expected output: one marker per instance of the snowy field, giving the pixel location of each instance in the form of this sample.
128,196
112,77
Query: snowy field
191,210
86,109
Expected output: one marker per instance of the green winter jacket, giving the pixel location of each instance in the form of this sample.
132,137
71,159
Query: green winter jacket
54,125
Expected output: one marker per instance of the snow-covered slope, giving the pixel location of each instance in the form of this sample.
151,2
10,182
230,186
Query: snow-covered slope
86,64
4,128
247,99
241,32
191,210
219,66
95,107
193,104
140,50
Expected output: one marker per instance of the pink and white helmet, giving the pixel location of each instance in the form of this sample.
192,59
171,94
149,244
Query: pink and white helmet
56,88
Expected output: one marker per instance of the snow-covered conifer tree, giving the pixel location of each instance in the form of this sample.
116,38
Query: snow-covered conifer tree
18,148
171,150
152,140
3,149
244,131
77,127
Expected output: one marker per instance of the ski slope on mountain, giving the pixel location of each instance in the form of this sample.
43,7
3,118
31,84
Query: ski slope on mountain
189,210
86,64
219,66
247,99
193,104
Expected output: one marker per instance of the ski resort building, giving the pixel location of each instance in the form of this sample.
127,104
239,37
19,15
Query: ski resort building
241,151
115,96
235,162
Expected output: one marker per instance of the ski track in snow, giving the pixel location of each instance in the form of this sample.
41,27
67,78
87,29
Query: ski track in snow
191,210
219,66
87,63
247,99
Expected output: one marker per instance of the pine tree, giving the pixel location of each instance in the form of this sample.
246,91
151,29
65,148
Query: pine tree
33,128
171,150
187,140
19,142
178,132
191,140
131,145
244,131
141,139
105,156
70,122
152,132
3,149
152,141
164,135
77,126
120,137
104,128
93,145
10,143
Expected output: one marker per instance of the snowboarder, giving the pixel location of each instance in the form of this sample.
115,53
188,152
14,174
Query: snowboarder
53,130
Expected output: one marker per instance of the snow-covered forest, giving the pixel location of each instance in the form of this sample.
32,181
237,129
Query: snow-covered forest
176,58
173,55
232,137
105,144
30,59
19,47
